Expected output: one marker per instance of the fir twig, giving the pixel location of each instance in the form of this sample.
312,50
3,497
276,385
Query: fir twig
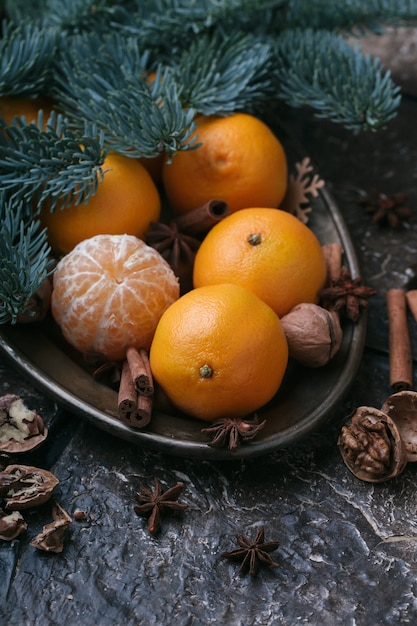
319,69
105,81
69,16
55,164
224,74
26,55
167,26
24,260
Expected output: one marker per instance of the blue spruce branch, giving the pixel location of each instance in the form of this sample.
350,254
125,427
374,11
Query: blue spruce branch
104,80
24,260
55,165
26,55
320,70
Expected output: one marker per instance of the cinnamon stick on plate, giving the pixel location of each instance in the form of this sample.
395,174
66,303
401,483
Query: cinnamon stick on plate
144,404
139,366
143,413
332,253
200,220
400,355
135,398
127,396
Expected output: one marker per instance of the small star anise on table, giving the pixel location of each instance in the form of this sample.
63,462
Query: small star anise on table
233,431
253,554
346,295
386,209
154,503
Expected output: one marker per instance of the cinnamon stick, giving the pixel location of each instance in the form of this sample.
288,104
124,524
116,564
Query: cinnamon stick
139,366
134,409
143,413
411,297
332,253
150,387
136,390
203,218
127,396
400,356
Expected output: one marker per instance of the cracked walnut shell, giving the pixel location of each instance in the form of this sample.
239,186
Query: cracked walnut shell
21,429
51,539
401,407
371,446
32,486
11,525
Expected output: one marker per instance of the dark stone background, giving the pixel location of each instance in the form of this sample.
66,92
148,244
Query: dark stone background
347,552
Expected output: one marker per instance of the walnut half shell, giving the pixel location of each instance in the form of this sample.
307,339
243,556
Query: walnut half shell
32,486
11,525
51,539
371,446
401,407
21,429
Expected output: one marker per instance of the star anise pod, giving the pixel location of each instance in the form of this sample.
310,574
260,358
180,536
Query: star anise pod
174,245
386,209
253,554
232,431
154,503
346,295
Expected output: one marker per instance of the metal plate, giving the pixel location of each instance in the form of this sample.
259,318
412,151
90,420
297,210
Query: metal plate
305,400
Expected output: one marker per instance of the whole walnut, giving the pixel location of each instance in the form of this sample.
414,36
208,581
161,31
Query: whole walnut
313,333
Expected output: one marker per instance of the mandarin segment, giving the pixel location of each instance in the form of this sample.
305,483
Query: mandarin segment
240,161
208,363
109,293
267,251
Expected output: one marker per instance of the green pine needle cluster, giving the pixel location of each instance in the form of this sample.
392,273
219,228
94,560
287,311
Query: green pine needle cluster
24,260
364,100
93,58
64,167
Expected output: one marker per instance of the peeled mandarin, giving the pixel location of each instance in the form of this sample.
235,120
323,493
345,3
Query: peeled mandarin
109,293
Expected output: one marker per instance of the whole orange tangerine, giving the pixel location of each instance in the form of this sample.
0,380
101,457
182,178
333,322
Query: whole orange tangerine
211,366
240,161
267,251
127,201
109,293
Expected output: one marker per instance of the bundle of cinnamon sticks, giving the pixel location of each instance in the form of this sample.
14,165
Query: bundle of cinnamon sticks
136,390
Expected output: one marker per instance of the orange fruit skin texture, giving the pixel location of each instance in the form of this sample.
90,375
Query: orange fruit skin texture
109,293
232,331
127,200
240,161
285,268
